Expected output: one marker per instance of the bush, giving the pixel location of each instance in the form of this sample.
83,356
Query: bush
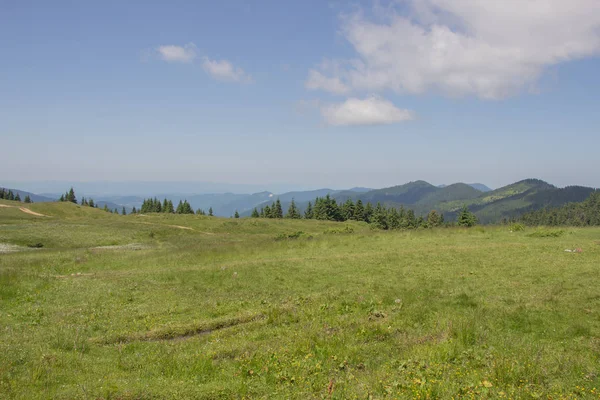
547,233
346,229
516,227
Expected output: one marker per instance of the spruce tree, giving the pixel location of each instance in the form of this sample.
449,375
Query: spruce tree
115,211
71,196
210,212
379,218
179,209
17,197
11,195
393,219
433,219
293,212
28,199
106,207
236,215
268,212
466,218
308,213
368,212
262,212
134,211
255,213
277,210
62,197
348,210
91,203
123,212
359,211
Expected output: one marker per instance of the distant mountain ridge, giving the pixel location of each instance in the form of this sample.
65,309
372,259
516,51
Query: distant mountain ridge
420,196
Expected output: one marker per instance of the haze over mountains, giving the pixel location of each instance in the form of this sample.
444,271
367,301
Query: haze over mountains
489,205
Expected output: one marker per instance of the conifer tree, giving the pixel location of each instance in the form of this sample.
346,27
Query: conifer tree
293,212
91,203
393,219
262,212
411,220
347,210
71,196
255,213
179,209
277,210
268,212
466,218
28,199
11,195
17,197
433,219
115,211
210,212
379,218
123,212
359,211
368,212
236,215
134,211
308,213
62,197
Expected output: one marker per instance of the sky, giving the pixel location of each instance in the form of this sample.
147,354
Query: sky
303,93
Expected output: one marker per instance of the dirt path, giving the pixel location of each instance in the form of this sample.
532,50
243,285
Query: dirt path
23,209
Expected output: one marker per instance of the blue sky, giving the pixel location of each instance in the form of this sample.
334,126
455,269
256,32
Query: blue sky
311,93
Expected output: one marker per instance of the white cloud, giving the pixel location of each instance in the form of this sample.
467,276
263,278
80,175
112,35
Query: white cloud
317,80
225,71
172,53
487,48
370,111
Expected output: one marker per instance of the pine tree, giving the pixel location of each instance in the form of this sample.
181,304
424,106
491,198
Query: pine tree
236,215
262,212
11,195
277,210
255,213
28,199
179,209
62,197
123,212
17,197
433,219
368,212
393,219
379,218
170,208
293,212
308,213
359,211
134,211
210,212
466,218
268,212
71,196
347,210
91,203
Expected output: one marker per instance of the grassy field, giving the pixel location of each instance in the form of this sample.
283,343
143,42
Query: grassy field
95,305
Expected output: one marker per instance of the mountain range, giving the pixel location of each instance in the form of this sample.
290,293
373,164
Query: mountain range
489,205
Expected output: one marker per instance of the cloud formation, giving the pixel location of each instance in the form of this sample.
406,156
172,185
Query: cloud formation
485,48
225,71
172,53
370,111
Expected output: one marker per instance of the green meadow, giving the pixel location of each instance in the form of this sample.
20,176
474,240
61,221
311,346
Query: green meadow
95,305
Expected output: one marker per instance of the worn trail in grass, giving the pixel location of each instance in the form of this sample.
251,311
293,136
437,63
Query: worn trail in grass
256,309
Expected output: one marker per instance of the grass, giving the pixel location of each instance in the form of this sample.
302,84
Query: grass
212,308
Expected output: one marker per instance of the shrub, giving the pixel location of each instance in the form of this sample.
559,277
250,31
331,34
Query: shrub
543,233
516,227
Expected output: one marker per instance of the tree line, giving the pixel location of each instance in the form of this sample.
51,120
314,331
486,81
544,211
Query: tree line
153,205
7,194
585,213
328,209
